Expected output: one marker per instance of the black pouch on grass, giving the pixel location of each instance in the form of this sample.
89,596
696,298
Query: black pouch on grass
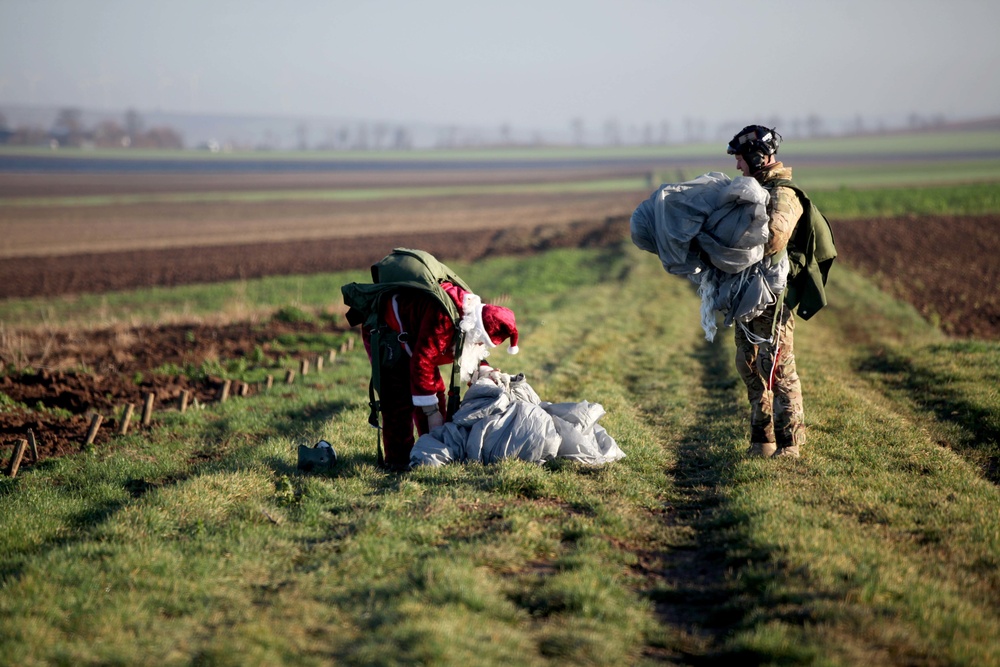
321,456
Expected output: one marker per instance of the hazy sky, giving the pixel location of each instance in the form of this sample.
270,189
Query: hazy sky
526,63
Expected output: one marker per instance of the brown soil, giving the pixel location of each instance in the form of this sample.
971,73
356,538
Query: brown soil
118,362
946,267
165,267
36,232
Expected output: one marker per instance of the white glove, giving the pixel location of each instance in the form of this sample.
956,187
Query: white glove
482,371
494,375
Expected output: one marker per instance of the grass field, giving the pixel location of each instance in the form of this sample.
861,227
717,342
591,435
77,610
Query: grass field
200,543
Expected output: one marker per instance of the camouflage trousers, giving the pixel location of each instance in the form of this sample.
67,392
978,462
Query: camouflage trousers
776,413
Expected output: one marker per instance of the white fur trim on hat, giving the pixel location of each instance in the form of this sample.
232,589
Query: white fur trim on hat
482,327
477,343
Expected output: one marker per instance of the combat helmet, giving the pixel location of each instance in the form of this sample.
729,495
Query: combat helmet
755,143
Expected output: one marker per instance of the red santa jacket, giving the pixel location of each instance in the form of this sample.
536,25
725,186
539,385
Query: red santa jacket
430,338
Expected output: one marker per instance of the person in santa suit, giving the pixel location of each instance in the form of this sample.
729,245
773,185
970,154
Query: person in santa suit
413,392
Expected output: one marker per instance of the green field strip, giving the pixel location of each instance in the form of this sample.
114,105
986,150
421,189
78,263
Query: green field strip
860,176
345,195
819,179
959,198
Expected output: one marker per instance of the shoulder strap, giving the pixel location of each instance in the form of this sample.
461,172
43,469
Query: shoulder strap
826,249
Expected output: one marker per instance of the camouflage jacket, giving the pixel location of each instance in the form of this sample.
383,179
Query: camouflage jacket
784,208
804,232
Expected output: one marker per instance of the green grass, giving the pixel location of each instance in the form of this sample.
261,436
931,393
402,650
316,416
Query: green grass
199,543
918,186
239,299
970,199
893,176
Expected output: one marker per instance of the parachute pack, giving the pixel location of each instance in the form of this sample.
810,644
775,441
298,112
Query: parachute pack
402,270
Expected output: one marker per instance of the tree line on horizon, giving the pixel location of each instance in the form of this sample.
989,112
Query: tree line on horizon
70,130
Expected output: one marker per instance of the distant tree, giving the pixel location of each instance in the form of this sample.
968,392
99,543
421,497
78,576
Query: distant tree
814,125
361,141
401,139
380,134
858,125
269,143
919,122
647,134
505,134
578,131
109,134
133,123
447,137
159,137
694,130
302,130
68,128
664,132
612,132
5,132
330,140
29,135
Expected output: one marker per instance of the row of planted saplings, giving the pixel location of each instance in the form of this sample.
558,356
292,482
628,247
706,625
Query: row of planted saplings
225,390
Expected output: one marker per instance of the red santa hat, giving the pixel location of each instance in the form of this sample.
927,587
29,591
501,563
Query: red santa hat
499,324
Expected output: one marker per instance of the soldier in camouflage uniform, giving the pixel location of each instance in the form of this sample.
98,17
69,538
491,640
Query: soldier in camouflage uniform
777,419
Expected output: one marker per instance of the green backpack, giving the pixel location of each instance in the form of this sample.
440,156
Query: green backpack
402,270
811,251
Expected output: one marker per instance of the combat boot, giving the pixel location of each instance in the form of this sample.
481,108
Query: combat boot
789,452
762,449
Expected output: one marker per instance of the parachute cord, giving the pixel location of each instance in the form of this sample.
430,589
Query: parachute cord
707,290
754,338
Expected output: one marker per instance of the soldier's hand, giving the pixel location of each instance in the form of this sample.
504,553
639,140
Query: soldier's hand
434,420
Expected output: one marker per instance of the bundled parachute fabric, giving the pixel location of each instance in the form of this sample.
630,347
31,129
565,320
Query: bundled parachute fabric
502,417
713,230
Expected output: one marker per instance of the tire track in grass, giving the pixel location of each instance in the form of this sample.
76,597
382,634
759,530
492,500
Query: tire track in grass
654,354
653,362
701,597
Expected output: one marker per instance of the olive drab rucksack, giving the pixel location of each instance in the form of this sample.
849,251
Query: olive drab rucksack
402,270
811,251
